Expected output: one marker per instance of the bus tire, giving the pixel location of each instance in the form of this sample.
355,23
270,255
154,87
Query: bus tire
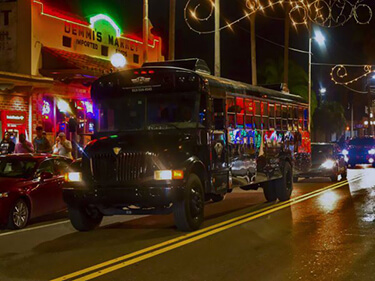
83,220
269,191
189,212
284,186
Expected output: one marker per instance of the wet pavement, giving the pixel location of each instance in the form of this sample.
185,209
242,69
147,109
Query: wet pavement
325,233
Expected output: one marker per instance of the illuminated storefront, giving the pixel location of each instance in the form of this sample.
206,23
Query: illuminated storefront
68,52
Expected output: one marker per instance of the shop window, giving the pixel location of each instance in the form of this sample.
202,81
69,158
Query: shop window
136,58
47,115
67,41
104,51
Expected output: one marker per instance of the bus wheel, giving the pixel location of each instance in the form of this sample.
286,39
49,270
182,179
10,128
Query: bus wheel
284,186
269,191
189,212
83,220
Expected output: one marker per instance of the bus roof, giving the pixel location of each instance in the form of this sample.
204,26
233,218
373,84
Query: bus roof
218,86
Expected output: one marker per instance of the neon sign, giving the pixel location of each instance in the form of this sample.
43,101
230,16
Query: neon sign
95,19
46,110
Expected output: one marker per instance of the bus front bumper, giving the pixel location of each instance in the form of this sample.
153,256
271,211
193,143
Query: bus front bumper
129,200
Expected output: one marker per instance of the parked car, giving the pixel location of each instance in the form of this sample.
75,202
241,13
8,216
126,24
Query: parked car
30,186
326,161
360,151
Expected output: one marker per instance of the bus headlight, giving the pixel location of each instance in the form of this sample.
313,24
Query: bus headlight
160,175
73,177
328,164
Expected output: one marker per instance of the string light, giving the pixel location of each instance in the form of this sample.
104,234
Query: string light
339,75
326,13
331,13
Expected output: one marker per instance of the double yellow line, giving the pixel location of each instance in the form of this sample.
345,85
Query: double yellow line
149,252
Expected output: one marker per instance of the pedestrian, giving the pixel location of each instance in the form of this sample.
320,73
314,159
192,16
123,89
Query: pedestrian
24,146
41,143
7,145
63,147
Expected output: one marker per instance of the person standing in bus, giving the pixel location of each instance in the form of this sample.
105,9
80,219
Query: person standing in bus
6,145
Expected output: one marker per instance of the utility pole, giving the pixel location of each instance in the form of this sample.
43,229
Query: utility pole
309,83
217,39
370,113
145,30
286,48
352,121
172,29
253,50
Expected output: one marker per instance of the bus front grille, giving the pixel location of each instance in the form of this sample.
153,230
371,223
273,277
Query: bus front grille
107,168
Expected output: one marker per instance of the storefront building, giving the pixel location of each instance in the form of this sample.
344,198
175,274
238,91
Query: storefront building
48,60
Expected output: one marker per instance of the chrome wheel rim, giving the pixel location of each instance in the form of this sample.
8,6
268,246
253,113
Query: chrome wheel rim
196,203
20,214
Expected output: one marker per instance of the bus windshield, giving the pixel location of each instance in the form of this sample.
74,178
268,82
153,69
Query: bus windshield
156,111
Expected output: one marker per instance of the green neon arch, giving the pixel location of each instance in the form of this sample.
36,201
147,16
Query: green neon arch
99,17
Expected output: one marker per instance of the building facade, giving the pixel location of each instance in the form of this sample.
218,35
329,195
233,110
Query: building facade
48,60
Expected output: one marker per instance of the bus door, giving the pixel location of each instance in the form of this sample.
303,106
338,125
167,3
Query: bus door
219,149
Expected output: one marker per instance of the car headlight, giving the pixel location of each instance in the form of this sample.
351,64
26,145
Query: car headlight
345,152
4,194
371,151
73,177
168,175
328,164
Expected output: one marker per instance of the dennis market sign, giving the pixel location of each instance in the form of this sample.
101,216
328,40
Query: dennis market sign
100,36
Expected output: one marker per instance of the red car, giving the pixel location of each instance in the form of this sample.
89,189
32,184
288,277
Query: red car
30,187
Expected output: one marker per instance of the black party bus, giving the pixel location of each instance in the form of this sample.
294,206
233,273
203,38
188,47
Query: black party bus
170,137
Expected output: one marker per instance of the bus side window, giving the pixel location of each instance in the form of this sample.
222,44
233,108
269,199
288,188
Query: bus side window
219,114
231,112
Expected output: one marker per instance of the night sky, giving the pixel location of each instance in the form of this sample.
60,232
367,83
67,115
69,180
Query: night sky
351,43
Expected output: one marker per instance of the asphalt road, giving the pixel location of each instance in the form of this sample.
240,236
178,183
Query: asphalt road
326,232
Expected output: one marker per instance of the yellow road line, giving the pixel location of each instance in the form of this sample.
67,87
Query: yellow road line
196,238
199,232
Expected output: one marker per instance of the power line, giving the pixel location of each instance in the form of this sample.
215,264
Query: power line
276,44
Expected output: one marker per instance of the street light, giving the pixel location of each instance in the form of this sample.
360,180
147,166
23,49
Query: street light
319,37
323,91
118,60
